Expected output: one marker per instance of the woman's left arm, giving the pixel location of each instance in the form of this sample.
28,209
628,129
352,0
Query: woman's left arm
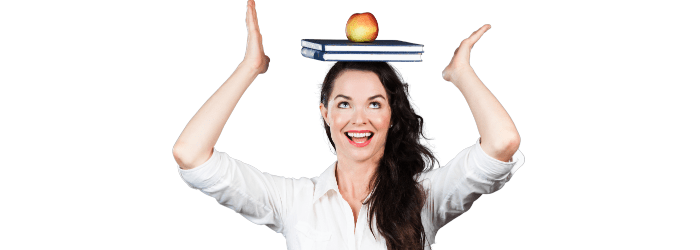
499,137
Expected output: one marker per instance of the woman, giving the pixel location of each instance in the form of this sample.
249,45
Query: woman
383,175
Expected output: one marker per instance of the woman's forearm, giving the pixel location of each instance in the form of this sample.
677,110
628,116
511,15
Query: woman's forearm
499,137
195,144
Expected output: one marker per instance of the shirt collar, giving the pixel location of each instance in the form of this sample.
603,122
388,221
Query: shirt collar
327,182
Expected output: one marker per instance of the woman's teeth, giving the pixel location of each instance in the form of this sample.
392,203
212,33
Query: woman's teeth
359,137
359,134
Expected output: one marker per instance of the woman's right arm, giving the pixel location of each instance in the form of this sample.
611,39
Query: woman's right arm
196,143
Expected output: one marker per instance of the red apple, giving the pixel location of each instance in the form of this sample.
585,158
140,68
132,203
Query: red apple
362,27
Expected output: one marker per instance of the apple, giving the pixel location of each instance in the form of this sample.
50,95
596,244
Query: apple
362,27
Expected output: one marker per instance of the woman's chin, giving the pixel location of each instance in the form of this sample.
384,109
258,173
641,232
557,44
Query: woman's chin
361,154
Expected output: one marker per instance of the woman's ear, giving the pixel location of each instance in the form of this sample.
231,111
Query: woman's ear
324,112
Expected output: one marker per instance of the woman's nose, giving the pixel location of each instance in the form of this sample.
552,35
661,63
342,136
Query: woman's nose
359,117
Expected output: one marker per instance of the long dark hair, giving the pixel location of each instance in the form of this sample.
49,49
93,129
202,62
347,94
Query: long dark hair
397,198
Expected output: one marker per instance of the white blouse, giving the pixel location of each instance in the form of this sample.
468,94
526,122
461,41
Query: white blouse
311,213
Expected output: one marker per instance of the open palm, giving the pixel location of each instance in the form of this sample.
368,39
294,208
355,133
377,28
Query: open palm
460,60
254,54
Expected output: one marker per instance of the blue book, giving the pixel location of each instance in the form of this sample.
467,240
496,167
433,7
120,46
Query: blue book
361,56
375,46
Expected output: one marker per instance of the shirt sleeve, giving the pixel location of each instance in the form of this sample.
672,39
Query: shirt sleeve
454,187
261,198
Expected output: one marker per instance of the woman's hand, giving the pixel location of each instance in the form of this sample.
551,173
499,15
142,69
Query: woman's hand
255,57
460,60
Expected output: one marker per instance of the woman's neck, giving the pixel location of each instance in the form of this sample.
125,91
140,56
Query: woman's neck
353,178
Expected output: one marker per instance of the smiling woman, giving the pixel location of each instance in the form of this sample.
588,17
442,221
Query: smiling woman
369,96
358,105
382,192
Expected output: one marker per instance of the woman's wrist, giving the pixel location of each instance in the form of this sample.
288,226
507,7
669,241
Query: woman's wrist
248,68
462,75
244,74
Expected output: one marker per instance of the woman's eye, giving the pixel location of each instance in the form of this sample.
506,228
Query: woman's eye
374,105
343,105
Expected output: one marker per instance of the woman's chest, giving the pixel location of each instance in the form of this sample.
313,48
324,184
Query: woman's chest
331,223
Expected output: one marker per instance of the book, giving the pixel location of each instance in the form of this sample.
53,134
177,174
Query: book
361,56
375,46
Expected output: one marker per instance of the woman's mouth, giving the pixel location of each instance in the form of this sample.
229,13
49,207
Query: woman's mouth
359,139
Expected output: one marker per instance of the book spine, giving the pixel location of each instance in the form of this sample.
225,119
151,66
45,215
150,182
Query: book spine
312,53
375,48
311,45
373,52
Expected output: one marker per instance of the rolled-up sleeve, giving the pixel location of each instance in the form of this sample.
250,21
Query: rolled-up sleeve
259,197
454,187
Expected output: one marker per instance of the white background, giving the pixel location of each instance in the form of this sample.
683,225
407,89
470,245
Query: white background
94,95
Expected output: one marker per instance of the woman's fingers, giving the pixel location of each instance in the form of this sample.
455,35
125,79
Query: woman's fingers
249,17
254,36
476,35
255,17
467,44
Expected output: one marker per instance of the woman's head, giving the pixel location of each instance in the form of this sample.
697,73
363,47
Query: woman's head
357,115
354,96
364,96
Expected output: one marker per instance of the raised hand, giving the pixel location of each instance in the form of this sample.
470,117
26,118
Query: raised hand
460,60
255,57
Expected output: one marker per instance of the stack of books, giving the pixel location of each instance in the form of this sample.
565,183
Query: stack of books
345,50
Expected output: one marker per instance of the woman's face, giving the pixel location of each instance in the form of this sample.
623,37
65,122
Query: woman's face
358,106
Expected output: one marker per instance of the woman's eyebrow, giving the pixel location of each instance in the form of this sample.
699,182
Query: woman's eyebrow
377,96
343,96
372,97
